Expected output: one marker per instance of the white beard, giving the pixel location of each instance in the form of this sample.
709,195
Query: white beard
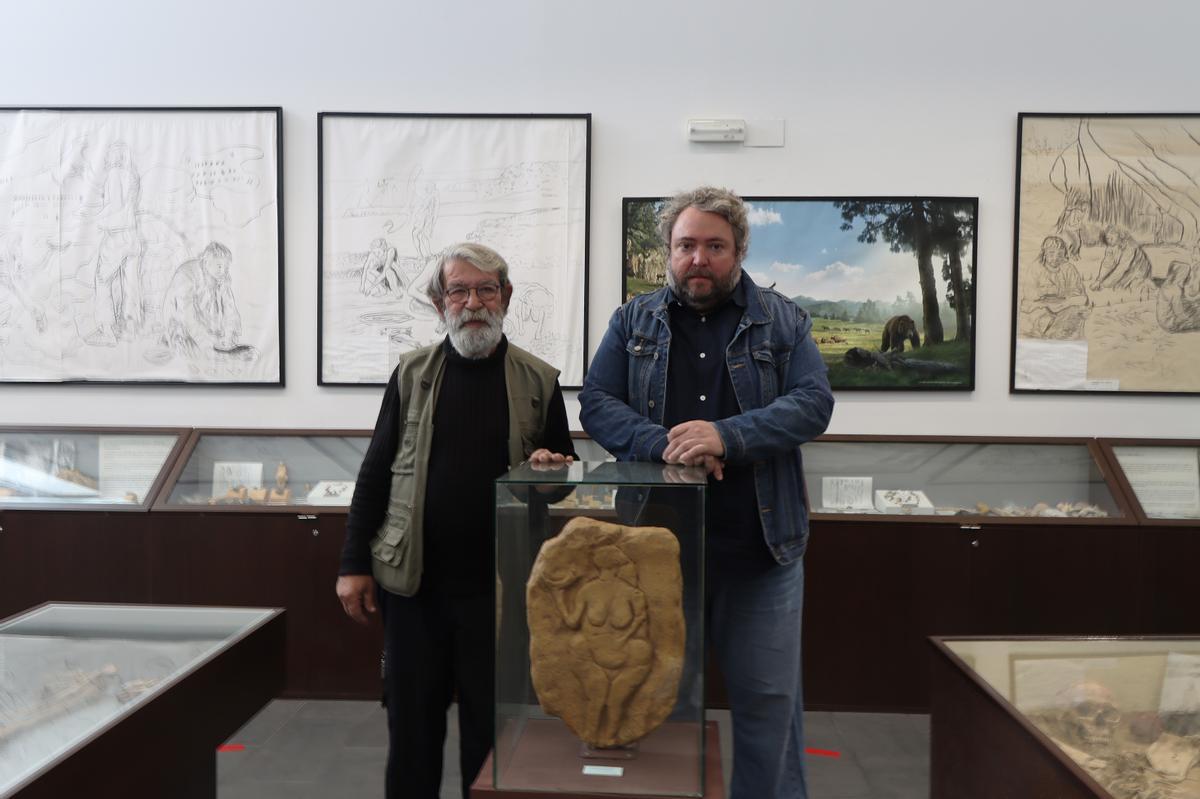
472,342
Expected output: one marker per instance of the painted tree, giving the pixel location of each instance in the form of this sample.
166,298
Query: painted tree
906,226
953,233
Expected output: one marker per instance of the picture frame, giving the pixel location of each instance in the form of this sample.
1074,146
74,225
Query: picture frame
1106,254
141,245
844,259
396,189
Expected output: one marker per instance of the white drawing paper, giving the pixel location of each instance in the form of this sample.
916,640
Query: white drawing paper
397,190
139,246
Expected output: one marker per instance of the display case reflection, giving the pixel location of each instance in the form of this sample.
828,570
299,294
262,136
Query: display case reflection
80,468
270,470
1005,480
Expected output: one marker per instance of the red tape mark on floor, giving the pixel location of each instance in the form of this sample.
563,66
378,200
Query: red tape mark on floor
823,752
231,748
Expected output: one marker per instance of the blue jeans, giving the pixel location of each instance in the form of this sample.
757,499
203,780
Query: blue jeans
753,625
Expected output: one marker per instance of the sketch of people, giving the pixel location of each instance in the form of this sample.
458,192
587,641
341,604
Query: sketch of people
532,311
1054,303
118,278
199,311
611,614
1075,228
22,283
1125,266
1178,307
424,217
381,270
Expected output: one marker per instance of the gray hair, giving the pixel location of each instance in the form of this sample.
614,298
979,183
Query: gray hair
485,259
722,202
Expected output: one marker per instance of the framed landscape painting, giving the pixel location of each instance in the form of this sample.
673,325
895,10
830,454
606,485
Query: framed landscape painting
1106,254
888,281
141,245
396,190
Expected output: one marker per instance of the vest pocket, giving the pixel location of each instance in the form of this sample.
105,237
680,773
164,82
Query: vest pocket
394,539
406,455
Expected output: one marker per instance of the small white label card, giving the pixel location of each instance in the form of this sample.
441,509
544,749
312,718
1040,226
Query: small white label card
604,771
846,493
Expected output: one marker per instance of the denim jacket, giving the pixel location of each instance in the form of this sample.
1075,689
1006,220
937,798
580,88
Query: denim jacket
778,378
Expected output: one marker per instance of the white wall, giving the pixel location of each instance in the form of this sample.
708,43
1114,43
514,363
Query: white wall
879,97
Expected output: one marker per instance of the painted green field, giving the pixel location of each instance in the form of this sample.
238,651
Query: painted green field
834,337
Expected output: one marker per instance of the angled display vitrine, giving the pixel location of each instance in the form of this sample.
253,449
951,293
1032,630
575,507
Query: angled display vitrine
915,536
599,666
73,502
129,700
1071,718
257,517
1162,479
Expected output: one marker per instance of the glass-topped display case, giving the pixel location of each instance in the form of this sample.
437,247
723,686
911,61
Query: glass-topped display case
75,675
77,468
266,470
1162,477
1014,480
1120,715
600,639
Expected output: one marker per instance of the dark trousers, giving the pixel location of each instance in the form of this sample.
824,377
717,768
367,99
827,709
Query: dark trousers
436,647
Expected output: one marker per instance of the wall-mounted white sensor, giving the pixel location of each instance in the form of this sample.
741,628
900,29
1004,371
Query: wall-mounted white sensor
731,130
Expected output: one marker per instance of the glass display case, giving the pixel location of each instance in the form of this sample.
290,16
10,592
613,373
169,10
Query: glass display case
1014,480
84,468
1121,715
72,675
1162,477
600,637
266,469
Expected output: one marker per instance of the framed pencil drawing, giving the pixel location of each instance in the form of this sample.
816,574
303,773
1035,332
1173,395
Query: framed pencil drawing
1106,267
395,190
141,245
888,281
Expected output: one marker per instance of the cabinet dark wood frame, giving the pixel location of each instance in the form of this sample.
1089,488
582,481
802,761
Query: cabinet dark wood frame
270,555
64,552
876,586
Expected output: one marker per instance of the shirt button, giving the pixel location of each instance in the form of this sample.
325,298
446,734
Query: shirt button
702,355
703,398
637,348
651,403
703,318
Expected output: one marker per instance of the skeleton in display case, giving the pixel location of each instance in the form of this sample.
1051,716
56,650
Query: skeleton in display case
1134,755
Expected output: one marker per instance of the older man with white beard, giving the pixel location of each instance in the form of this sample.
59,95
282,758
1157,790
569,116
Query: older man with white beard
419,536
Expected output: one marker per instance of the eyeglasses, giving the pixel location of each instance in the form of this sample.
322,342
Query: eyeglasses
486,293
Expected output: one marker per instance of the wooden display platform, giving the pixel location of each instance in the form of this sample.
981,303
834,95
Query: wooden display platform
548,764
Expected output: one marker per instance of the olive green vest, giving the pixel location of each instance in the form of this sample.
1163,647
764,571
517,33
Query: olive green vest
397,546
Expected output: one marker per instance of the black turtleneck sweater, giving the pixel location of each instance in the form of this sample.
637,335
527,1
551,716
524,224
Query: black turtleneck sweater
469,450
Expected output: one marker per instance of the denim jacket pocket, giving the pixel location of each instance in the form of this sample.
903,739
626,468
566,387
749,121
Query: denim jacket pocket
768,373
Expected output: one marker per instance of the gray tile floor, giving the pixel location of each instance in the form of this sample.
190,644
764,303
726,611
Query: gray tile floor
305,749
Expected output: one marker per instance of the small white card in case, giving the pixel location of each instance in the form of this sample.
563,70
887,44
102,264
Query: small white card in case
331,492
604,771
846,493
895,500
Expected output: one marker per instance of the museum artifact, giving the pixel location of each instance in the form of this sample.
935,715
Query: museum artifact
280,494
873,273
605,613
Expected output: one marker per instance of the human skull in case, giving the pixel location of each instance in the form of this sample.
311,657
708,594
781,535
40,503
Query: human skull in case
1087,715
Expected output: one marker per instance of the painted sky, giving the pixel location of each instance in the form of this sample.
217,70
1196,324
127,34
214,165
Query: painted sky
800,247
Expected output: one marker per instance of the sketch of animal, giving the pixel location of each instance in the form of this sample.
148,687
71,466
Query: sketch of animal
896,330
